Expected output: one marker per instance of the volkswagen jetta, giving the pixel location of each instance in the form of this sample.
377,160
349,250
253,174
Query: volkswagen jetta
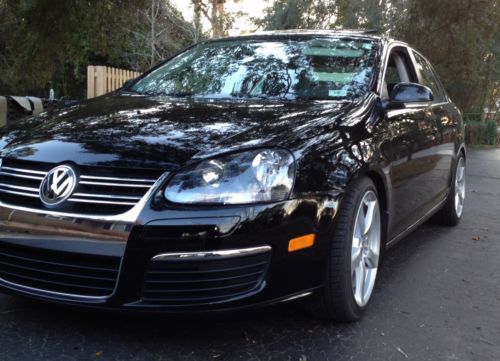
242,172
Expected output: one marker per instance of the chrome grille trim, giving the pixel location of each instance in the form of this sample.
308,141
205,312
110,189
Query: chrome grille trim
21,175
105,184
135,202
100,202
183,279
25,170
128,217
225,253
19,190
117,179
29,189
19,193
105,196
35,291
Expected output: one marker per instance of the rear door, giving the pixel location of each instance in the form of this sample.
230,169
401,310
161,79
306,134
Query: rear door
442,113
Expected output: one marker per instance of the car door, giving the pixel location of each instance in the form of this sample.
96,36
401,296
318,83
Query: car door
441,111
414,137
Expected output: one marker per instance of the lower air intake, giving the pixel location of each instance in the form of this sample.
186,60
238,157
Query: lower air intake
72,274
194,279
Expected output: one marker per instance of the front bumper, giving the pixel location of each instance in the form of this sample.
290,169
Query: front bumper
169,259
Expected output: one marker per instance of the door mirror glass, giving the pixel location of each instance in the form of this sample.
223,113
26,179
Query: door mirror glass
410,93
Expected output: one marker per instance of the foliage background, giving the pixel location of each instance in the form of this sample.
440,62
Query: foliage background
48,44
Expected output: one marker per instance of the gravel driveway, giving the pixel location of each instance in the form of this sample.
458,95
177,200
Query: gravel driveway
438,298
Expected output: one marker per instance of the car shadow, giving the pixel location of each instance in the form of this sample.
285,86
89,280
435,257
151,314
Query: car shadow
229,335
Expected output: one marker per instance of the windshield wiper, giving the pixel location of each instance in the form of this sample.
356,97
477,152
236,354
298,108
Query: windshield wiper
148,93
178,95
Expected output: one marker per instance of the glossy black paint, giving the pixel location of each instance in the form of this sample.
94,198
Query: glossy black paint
408,152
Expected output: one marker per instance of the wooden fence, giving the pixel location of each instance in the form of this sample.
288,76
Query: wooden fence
104,79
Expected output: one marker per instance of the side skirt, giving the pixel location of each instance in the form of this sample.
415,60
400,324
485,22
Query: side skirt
422,220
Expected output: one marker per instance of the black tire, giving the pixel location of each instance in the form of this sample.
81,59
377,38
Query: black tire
447,215
336,300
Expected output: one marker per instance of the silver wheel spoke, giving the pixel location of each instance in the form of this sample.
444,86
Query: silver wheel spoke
460,187
371,259
365,248
360,223
461,171
355,258
369,216
360,275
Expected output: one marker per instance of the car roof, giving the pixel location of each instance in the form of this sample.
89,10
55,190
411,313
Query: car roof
300,33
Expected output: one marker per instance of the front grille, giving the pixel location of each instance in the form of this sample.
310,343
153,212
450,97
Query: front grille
100,190
62,272
191,282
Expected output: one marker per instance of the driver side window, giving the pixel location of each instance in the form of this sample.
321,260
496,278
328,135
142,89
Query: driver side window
397,71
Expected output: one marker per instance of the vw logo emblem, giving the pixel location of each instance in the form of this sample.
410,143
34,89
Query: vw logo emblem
57,185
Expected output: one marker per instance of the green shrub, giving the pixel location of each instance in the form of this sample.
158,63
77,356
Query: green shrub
475,133
481,133
491,132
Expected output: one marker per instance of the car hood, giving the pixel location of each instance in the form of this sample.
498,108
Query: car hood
153,132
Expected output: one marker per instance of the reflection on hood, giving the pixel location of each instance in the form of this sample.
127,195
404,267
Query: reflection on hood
131,130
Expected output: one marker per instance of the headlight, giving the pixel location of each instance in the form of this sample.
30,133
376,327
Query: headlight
255,176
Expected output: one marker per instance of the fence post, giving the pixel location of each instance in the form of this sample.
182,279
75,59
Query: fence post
90,81
3,111
100,86
121,77
102,79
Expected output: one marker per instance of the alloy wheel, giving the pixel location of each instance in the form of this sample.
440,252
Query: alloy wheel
365,250
460,187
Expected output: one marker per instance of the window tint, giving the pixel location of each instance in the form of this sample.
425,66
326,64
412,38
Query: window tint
428,78
392,75
397,71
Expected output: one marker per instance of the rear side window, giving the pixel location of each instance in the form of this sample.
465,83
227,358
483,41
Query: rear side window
429,79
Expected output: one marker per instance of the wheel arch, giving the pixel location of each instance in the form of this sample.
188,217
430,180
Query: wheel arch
462,150
382,185
383,194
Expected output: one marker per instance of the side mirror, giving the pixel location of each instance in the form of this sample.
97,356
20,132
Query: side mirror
405,95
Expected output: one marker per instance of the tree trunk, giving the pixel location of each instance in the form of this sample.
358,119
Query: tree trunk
217,18
220,18
197,19
154,12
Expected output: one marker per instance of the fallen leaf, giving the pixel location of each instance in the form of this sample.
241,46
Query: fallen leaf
485,341
402,352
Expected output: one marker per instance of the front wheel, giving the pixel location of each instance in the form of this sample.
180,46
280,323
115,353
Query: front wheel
354,257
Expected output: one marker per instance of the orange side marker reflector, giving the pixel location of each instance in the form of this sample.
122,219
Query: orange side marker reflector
299,243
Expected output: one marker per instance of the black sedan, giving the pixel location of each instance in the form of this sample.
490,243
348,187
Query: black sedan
241,172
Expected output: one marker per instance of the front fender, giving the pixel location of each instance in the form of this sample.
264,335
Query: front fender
334,157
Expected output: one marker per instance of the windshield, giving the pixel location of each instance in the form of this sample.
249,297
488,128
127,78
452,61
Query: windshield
322,68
